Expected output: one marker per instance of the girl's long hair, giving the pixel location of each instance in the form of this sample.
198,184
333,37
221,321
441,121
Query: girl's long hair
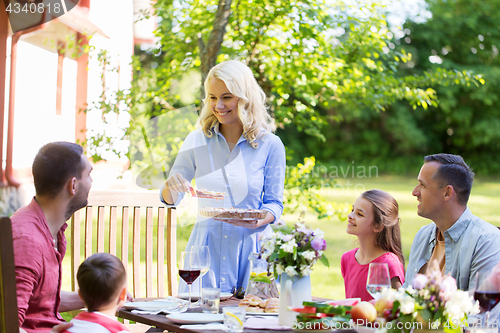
386,214
252,111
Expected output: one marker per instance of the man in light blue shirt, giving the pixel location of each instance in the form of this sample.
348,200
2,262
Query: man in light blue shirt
471,245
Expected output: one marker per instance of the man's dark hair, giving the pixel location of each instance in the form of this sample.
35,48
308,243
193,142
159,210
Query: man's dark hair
455,172
100,278
54,164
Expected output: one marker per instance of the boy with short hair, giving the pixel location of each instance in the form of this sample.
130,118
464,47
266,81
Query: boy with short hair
103,287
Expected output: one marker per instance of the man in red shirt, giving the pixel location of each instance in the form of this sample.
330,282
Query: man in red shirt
61,174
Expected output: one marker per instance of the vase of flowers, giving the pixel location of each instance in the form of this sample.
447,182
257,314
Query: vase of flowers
291,252
431,303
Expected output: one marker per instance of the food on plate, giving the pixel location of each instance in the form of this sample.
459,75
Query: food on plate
272,305
322,316
233,213
256,304
201,193
363,313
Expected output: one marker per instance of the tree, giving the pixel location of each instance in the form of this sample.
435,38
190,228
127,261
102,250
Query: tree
318,63
311,58
465,35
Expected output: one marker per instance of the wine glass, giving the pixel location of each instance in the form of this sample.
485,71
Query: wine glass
486,293
378,279
187,269
203,263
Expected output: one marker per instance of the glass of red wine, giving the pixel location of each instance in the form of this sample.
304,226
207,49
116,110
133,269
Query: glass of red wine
486,293
189,269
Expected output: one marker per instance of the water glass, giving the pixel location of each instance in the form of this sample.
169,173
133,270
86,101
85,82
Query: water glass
234,318
378,279
210,299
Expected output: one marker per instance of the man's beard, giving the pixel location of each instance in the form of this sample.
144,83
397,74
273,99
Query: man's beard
79,201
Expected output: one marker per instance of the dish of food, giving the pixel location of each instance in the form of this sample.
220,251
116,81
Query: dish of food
233,213
258,306
201,193
321,317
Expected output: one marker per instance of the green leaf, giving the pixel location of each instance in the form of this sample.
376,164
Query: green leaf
324,260
261,278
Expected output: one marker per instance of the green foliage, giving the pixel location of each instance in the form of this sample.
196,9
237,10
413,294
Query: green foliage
465,35
301,192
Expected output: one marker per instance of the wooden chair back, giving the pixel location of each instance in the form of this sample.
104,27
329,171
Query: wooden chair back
8,297
107,221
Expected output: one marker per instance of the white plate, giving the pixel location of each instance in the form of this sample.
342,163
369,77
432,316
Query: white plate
195,296
261,314
196,318
151,306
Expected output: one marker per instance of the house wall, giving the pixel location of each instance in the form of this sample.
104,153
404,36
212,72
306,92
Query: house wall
36,122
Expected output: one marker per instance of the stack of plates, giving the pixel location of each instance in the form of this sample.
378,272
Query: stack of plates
166,305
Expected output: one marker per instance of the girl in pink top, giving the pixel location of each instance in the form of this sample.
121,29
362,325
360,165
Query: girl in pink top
375,221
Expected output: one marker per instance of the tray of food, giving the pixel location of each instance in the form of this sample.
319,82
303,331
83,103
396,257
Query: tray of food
233,213
257,306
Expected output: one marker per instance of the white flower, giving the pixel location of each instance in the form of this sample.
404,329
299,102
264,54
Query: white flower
305,270
424,293
265,255
287,238
269,246
309,255
390,294
290,271
453,311
319,233
407,305
459,305
409,290
279,269
289,246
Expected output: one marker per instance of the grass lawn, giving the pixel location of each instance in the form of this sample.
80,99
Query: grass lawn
328,282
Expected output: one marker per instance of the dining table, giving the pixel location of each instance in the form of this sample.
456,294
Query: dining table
162,322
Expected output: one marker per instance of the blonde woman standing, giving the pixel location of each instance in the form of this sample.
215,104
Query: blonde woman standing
232,151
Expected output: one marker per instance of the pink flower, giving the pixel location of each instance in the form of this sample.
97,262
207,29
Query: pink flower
419,281
287,238
319,244
448,287
305,230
